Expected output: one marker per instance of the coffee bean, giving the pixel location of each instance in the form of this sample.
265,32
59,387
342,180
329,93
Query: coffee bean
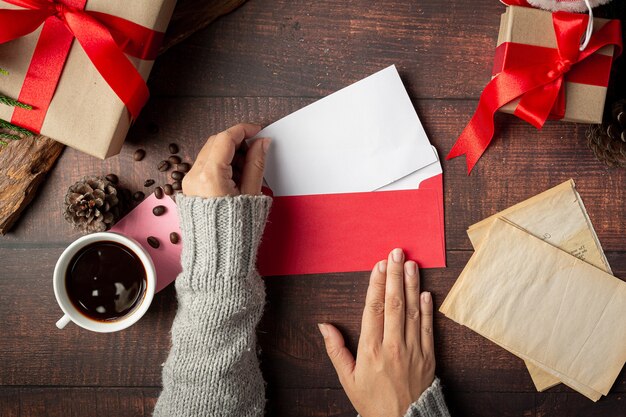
174,159
173,148
139,154
174,238
158,192
158,210
177,175
167,189
112,178
138,196
163,166
148,183
176,185
153,241
184,167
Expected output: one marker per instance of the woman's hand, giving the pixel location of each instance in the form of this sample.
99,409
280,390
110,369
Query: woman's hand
226,166
395,359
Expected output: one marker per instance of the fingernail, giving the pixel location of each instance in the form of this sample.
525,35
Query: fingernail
266,144
410,268
323,330
397,255
382,266
426,297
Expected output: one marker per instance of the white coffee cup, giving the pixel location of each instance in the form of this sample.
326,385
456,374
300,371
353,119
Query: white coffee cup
72,313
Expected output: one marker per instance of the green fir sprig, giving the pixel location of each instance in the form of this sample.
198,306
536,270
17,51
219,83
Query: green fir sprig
10,126
7,125
14,103
7,136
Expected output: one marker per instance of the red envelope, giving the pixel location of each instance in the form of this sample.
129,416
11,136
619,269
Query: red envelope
325,233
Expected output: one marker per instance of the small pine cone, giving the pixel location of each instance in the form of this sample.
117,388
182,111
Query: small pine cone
608,140
92,205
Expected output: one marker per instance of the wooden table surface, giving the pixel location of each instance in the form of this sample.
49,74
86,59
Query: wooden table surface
264,61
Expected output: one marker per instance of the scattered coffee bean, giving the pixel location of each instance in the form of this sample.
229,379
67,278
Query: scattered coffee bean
112,178
139,154
158,210
148,183
184,167
177,175
153,241
174,238
167,189
138,196
158,192
174,159
173,148
176,185
163,166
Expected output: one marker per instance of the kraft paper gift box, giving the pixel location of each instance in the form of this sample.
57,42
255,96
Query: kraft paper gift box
84,112
585,84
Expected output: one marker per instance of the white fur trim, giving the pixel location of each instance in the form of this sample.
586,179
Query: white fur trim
566,5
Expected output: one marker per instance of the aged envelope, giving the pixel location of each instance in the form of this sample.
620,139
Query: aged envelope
544,305
559,217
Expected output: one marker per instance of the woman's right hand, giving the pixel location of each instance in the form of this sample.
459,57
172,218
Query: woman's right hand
395,360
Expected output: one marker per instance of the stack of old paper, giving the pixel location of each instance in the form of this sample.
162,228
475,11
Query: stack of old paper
540,286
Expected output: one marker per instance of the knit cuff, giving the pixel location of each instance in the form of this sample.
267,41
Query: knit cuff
430,403
220,237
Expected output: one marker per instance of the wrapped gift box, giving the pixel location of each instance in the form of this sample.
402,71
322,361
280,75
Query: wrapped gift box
527,37
84,113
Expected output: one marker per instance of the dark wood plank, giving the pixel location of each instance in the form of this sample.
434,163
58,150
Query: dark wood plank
293,353
140,402
77,402
302,48
520,163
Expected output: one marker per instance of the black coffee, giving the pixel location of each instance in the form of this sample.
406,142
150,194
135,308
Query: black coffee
105,280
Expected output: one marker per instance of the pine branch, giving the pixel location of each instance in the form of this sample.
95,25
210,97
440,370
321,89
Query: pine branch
6,125
11,101
9,136
14,103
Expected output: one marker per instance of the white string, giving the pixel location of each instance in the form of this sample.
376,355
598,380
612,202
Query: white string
589,32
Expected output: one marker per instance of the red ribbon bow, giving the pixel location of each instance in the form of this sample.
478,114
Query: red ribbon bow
540,87
104,38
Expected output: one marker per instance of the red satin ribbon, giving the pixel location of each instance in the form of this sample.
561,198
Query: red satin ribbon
540,85
106,40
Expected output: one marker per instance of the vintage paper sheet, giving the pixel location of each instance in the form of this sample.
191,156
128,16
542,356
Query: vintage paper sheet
544,305
559,217
358,139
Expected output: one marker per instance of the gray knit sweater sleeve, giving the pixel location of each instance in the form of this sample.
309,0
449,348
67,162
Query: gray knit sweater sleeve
212,368
430,403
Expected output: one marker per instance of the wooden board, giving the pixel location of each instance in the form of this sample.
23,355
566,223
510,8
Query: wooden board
252,65
24,164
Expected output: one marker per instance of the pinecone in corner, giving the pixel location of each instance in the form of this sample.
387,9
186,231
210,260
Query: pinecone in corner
608,140
93,205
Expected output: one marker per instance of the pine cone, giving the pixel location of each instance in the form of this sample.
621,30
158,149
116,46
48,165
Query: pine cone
92,205
608,140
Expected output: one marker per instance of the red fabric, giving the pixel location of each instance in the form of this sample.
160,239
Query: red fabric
538,83
105,39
